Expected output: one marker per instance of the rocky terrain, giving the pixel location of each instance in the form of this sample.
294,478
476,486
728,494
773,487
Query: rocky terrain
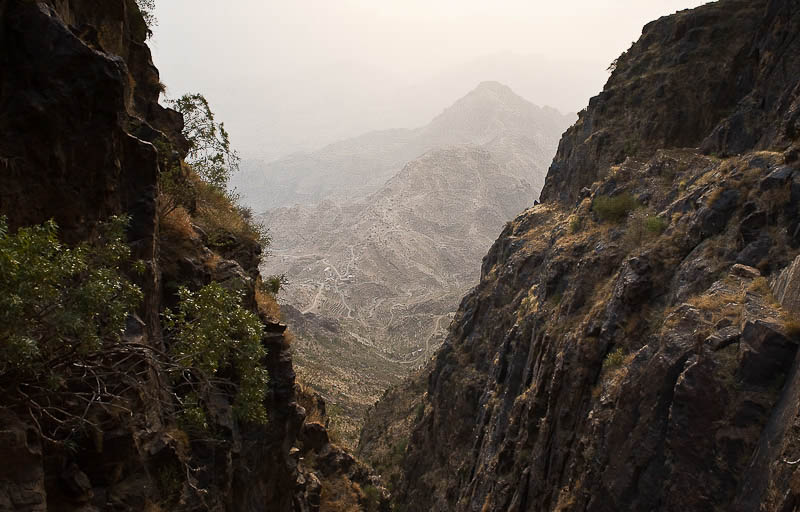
107,424
352,169
374,283
632,344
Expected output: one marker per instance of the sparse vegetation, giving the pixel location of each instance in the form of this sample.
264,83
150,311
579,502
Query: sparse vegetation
210,153
614,208
274,284
221,219
642,225
266,303
655,224
147,9
373,497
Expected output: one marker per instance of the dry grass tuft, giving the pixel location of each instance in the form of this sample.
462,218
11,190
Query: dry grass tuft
220,218
309,400
267,305
177,224
792,327
340,495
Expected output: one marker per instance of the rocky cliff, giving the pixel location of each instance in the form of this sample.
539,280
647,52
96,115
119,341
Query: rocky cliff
81,125
632,343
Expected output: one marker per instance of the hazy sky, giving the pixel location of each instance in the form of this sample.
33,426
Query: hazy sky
296,74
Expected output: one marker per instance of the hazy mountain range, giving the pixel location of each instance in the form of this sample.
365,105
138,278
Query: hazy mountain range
378,267
353,168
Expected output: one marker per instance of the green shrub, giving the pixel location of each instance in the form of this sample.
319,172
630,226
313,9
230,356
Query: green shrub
373,497
213,335
575,224
614,359
59,304
274,283
655,224
614,208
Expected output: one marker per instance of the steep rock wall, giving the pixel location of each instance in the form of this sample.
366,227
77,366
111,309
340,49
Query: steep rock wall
80,117
644,364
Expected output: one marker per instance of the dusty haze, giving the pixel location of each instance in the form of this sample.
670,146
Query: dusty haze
288,76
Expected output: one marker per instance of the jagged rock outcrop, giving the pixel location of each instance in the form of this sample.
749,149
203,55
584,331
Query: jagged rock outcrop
632,344
697,78
80,120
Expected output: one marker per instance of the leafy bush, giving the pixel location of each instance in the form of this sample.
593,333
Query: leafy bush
614,208
213,335
59,303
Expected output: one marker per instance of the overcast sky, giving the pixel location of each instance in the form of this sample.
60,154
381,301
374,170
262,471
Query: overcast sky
297,74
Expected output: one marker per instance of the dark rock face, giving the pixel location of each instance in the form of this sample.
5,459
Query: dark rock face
79,113
597,368
716,77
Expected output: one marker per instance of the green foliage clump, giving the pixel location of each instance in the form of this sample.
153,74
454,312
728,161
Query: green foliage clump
614,208
641,226
575,224
614,359
274,283
59,304
373,497
655,224
213,335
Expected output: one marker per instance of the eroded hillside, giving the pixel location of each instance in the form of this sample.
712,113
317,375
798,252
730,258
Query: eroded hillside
632,343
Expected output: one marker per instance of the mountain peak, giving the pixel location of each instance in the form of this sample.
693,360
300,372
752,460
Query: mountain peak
492,86
496,93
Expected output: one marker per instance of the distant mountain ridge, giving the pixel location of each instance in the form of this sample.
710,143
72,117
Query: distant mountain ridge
356,167
374,282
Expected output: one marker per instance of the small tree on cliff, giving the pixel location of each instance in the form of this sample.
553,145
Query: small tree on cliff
210,153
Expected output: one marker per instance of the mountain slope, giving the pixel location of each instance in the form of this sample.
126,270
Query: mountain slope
632,344
384,276
374,283
353,168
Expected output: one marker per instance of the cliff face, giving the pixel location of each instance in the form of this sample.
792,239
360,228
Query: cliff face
80,120
701,78
632,342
